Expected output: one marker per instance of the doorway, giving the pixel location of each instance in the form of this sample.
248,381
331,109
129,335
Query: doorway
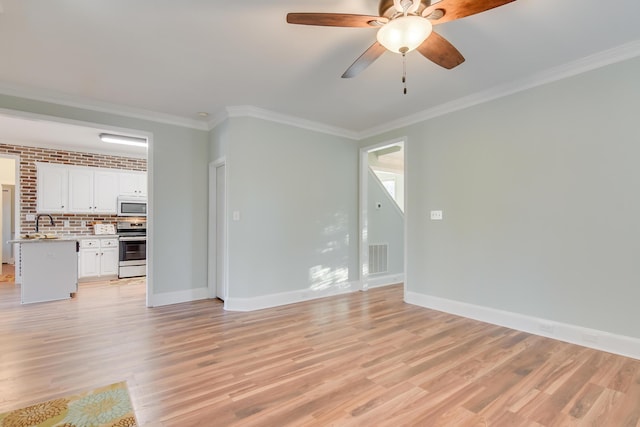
27,133
9,209
382,221
218,287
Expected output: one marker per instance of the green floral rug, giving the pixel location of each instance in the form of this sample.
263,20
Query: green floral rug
105,406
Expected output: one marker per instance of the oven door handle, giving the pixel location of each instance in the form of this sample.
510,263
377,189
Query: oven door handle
132,238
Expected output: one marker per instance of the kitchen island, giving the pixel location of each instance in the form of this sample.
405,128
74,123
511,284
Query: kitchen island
49,269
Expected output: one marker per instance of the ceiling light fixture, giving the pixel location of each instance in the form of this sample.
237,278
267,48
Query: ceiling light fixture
405,33
124,140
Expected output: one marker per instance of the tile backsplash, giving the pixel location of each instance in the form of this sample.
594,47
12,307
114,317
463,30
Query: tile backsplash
28,193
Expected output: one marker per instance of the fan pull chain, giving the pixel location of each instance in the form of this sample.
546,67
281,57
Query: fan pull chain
404,71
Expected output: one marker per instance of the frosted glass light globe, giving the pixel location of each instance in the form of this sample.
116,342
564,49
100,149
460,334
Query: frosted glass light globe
404,33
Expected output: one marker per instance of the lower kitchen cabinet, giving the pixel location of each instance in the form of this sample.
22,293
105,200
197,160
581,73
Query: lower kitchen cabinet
98,258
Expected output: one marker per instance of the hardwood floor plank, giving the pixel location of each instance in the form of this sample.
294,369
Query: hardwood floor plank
362,359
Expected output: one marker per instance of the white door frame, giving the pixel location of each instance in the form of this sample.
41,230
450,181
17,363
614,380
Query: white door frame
150,173
212,238
16,210
364,200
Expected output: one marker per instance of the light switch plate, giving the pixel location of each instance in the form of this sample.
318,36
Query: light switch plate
436,215
236,215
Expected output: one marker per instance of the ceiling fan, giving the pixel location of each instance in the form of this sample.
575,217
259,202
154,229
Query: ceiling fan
404,25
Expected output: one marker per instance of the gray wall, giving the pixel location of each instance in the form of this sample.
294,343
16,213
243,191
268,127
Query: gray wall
179,191
218,140
385,225
540,198
296,192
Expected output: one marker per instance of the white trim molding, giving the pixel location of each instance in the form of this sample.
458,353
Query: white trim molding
284,298
178,297
285,119
49,96
591,62
386,280
586,337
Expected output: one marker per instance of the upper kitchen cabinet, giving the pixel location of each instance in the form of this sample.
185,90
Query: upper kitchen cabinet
106,186
92,191
85,190
81,190
133,184
52,188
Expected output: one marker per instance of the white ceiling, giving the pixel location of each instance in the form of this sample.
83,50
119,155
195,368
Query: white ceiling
36,132
178,58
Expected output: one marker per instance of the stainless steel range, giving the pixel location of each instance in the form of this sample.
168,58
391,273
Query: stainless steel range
133,248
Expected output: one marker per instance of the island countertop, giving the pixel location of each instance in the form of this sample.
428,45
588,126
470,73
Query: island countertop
45,240
64,238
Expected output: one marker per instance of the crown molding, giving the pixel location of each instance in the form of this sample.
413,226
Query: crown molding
591,62
217,119
260,113
98,106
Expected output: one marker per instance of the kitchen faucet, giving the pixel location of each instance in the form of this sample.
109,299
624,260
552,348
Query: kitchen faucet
38,220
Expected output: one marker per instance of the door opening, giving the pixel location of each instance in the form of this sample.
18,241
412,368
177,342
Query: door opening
9,211
218,287
382,225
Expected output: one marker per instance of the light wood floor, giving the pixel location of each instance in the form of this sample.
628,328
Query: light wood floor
361,359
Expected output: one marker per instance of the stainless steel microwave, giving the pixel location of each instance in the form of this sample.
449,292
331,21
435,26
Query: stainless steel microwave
132,206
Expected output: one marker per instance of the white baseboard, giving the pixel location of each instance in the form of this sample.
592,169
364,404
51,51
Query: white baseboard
380,281
284,298
178,297
592,338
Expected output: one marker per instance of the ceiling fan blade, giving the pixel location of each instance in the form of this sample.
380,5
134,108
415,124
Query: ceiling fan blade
336,19
437,49
456,9
366,59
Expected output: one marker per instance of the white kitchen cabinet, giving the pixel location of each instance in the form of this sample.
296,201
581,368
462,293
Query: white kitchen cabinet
105,193
89,259
92,191
108,261
133,184
81,190
85,190
52,188
98,258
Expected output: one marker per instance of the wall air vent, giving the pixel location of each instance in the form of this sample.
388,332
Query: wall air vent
378,258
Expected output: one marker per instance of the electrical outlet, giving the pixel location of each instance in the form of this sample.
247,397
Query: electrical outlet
236,215
31,217
83,223
436,215
66,223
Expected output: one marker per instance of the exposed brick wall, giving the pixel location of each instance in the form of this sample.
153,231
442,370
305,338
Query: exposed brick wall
28,185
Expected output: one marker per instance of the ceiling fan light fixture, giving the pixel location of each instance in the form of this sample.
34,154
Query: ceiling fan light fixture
404,33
